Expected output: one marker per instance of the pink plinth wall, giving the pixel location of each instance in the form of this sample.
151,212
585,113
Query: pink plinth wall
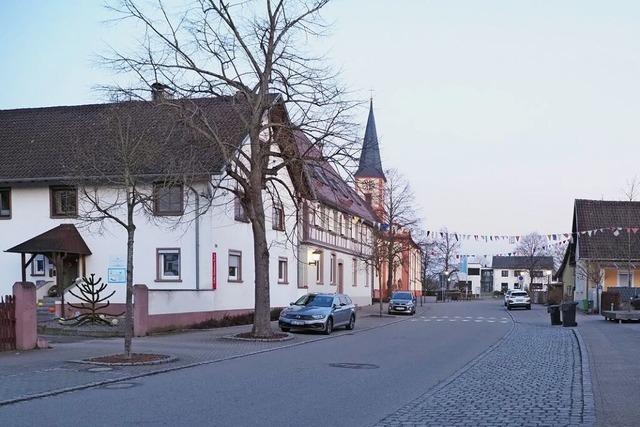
140,310
26,315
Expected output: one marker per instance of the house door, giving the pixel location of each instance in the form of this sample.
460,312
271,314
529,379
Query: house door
70,270
340,278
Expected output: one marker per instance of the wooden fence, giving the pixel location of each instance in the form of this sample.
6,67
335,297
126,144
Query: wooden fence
7,323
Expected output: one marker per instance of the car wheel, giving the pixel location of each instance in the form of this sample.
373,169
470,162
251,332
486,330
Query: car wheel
508,307
328,328
285,329
528,307
389,312
352,323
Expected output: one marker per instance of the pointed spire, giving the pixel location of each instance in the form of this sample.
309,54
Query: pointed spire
370,164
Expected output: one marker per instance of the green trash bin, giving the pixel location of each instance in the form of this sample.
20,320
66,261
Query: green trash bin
554,313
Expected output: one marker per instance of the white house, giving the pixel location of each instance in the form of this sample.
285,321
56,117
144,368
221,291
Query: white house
513,272
176,250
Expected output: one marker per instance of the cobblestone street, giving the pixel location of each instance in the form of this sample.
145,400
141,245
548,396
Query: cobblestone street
533,377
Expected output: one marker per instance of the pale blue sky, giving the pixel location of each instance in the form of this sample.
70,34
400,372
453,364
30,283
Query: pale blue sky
499,112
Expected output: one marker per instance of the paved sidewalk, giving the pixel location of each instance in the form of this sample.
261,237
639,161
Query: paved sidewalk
42,371
613,352
532,377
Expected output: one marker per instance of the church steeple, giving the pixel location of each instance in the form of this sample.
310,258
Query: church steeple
370,165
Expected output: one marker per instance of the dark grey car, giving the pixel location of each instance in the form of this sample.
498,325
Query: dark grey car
320,312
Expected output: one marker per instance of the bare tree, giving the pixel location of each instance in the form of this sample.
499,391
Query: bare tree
398,218
254,52
532,247
630,192
126,170
445,249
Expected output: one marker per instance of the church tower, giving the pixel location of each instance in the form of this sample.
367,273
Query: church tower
370,179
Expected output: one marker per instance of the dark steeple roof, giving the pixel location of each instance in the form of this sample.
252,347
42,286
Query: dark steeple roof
370,164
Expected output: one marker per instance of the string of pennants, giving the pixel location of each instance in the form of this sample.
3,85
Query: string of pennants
553,239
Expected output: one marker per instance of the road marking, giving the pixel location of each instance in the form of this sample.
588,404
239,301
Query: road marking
439,320
452,320
465,320
477,320
491,321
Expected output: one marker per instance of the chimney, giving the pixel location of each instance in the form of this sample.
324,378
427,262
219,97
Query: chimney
159,92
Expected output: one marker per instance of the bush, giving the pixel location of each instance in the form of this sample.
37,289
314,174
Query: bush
497,294
234,320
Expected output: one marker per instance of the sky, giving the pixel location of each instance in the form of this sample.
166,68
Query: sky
499,113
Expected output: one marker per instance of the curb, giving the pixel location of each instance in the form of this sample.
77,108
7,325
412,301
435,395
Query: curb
178,368
167,359
588,402
289,337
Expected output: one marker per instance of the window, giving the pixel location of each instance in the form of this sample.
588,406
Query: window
169,199
340,223
5,203
168,265
349,225
473,271
319,268
64,202
516,285
504,287
283,274
278,216
505,273
239,214
235,266
623,279
38,265
323,217
366,276
355,272
332,270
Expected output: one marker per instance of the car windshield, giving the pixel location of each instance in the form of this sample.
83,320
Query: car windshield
401,295
312,300
519,294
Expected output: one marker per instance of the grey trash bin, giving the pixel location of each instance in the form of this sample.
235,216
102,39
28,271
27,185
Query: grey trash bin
569,314
554,312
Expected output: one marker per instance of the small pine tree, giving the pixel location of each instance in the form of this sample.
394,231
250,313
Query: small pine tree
91,291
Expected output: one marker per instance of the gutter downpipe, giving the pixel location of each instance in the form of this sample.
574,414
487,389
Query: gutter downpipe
197,231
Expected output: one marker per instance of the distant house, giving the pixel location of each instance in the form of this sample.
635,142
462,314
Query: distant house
477,278
513,272
335,231
605,251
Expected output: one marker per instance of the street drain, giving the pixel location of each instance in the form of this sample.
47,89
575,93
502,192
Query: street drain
354,365
119,386
100,369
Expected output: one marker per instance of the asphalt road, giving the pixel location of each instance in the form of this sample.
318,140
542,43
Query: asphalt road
292,386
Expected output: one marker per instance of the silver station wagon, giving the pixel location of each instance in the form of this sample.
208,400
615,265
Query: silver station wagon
319,312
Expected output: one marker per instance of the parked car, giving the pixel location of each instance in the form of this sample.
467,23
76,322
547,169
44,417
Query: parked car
519,298
506,296
402,302
319,312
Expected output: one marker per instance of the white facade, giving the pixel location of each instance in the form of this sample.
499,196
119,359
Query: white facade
509,279
219,236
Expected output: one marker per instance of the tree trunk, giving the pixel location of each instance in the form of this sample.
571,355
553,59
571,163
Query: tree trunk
128,317
389,276
262,315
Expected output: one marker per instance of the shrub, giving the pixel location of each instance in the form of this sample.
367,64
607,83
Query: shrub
234,320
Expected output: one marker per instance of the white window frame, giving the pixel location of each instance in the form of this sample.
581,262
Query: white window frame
35,271
161,274
626,282
283,273
238,277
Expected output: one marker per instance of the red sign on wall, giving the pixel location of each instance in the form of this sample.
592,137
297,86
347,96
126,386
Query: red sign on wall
214,271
